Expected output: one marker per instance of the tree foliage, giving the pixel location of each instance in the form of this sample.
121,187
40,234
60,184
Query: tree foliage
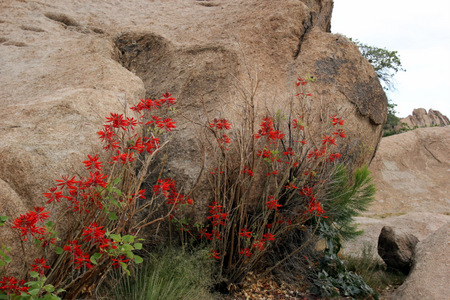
386,63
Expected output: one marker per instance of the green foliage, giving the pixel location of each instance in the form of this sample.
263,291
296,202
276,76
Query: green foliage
170,274
386,63
346,201
373,271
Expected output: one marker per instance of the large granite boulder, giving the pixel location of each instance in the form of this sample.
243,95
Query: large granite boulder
67,64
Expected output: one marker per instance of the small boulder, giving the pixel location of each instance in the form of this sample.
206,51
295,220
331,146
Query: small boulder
396,248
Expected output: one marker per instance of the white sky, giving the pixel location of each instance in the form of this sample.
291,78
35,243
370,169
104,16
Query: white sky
419,31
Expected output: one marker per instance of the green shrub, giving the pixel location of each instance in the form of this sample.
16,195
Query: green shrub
170,274
373,271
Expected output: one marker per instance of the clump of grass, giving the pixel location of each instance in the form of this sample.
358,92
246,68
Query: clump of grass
373,271
170,274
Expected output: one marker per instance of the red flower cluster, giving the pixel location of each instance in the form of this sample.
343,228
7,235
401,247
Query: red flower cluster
246,252
121,259
314,206
28,223
82,194
273,203
268,130
337,121
11,285
248,171
245,233
168,189
215,254
149,104
79,258
39,266
166,123
220,124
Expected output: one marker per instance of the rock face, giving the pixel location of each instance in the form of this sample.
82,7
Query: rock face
410,172
396,248
67,64
421,118
431,269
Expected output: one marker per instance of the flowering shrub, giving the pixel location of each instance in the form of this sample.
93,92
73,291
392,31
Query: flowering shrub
100,207
267,184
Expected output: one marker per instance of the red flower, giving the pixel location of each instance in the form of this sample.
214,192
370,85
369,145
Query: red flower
340,132
267,129
27,223
96,179
215,254
93,233
118,121
11,285
123,158
166,123
52,196
220,124
273,203
117,261
93,163
268,237
146,104
272,173
259,244
301,81
246,252
167,99
337,121
39,266
328,139
248,171
245,233
66,182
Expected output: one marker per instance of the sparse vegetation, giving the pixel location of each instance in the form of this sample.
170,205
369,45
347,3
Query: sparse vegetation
374,271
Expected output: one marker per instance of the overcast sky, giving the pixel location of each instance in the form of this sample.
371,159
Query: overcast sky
419,31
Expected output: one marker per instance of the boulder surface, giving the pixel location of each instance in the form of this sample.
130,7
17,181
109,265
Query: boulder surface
431,269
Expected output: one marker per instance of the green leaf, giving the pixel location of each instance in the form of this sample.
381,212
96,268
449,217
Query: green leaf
116,237
127,247
116,181
128,238
138,259
34,274
2,263
137,246
112,216
33,292
49,224
59,250
49,288
94,257
3,219
3,296
130,254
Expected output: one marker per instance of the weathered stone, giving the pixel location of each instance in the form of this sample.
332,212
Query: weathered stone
420,118
431,269
410,171
396,248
